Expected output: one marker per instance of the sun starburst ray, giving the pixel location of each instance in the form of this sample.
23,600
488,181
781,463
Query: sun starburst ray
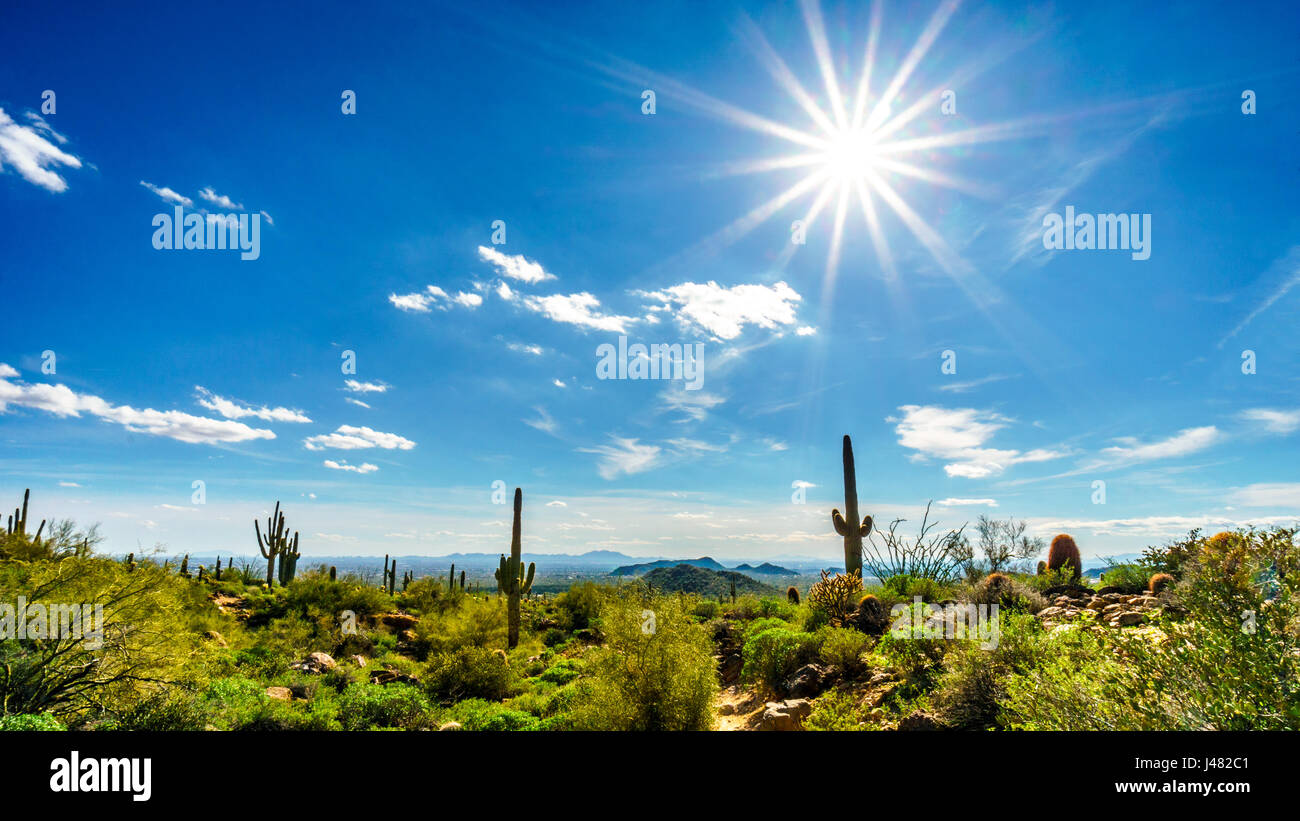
868,62
913,59
783,75
812,15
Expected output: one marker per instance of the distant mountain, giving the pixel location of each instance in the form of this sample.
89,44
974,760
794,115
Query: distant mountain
769,569
690,578
646,567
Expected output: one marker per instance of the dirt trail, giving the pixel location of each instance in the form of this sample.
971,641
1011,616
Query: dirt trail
735,707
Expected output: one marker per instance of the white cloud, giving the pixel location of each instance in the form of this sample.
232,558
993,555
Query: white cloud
354,386
967,502
724,312
431,297
504,291
556,503
535,350
28,150
1130,451
349,437
221,200
802,484
625,456
64,402
805,330
232,409
557,383
356,402
168,195
365,467
1277,494
963,387
695,445
69,484
957,436
694,405
543,422
581,309
7,371
1274,421
1160,527
515,267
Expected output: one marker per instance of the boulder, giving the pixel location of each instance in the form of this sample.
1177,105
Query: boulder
450,726
806,682
399,621
1128,618
280,693
359,661
315,663
919,721
214,636
782,716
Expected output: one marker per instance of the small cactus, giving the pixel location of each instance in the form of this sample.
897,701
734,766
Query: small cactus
130,562
1042,567
1159,582
218,568
334,573
792,594
185,566
462,580
871,617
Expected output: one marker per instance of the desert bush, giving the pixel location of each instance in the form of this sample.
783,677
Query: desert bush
656,675
469,672
1158,583
843,649
1129,578
477,623
562,672
29,722
1008,593
772,655
372,706
915,660
485,716
579,605
837,711
905,587
970,690
163,711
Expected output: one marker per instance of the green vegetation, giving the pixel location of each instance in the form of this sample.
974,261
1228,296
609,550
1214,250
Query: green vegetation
1217,648
712,584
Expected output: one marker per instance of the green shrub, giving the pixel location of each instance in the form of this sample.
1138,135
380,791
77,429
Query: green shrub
843,649
371,706
165,711
771,656
29,722
837,711
656,671
469,672
579,605
1129,578
476,714
563,672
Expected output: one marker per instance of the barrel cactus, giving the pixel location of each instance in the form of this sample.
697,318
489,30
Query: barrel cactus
1159,582
1064,552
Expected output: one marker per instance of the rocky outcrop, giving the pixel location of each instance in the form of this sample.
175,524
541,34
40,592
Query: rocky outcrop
784,716
1109,609
315,663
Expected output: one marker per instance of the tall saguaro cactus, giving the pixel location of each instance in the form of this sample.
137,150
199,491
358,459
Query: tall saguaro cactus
847,525
510,575
289,556
275,542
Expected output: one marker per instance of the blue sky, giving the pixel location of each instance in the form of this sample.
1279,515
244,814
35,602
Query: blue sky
476,362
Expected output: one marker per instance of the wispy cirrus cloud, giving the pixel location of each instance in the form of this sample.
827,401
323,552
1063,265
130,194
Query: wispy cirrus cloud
624,457
220,200
168,195
363,468
351,437
1274,421
1131,451
28,150
233,409
64,402
1286,274
357,386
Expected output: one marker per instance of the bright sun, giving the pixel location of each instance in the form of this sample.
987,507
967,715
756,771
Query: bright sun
855,151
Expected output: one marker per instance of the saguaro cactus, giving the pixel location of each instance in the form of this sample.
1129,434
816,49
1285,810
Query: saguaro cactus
392,578
847,525
451,578
185,566
510,575
276,540
218,568
289,555
462,580
334,573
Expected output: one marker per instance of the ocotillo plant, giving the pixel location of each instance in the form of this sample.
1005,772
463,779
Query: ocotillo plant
277,539
289,556
510,575
847,525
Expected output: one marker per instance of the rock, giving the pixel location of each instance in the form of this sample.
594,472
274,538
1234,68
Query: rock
399,621
359,661
1128,618
806,682
1108,590
315,663
919,721
730,667
408,636
280,693
726,709
392,677
214,636
878,697
782,716
879,677
1112,609
450,726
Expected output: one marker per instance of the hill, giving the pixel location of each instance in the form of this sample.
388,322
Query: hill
690,578
646,567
